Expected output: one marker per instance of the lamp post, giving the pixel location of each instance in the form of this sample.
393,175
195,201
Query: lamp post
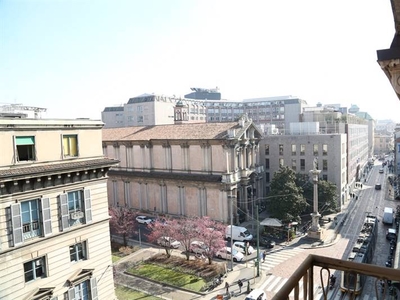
231,217
258,244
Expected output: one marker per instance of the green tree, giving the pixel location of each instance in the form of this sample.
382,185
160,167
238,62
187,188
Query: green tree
327,194
286,197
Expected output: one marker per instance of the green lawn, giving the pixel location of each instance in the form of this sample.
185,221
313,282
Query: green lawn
167,275
124,293
115,258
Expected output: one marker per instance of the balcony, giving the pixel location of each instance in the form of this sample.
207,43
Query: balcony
230,178
320,267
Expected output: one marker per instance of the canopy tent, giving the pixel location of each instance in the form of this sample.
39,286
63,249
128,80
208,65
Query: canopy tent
272,222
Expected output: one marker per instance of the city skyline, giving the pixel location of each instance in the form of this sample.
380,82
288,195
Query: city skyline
75,58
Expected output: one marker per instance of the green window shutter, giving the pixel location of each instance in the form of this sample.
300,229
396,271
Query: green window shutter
24,140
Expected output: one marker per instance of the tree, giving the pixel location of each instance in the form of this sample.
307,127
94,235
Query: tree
122,221
327,194
187,232
164,228
212,234
287,201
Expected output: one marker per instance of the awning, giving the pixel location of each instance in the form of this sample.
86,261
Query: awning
272,222
24,140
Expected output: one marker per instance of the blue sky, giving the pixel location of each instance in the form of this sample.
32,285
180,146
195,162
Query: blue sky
77,57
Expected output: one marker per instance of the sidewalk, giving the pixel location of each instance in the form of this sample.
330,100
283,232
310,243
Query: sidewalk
245,271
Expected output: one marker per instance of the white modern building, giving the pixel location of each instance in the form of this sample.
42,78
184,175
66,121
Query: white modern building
146,110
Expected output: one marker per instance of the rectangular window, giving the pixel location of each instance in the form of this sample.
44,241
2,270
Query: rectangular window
70,145
78,252
324,149
84,290
325,177
25,148
30,212
140,119
294,165
302,149
266,149
325,165
30,219
267,179
315,149
35,269
76,208
267,163
280,149
302,164
281,162
293,149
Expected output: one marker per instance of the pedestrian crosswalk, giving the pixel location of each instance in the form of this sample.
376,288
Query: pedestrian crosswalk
274,283
277,257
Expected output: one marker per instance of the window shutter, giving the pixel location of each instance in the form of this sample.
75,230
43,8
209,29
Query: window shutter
88,206
71,293
64,211
46,215
93,289
16,221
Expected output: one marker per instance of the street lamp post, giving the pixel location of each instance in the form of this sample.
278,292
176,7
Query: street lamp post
258,244
231,232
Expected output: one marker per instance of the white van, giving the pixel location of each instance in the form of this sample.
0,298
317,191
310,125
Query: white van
388,216
256,294
238,233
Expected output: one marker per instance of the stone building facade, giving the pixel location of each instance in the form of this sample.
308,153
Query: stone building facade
54,221
186,169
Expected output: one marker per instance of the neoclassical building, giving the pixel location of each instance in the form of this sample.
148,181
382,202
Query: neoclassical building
186,169
54,222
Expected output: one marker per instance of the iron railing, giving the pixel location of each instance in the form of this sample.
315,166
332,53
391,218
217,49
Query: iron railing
321,267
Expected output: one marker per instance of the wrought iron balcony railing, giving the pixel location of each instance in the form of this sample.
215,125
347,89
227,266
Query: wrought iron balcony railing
320,267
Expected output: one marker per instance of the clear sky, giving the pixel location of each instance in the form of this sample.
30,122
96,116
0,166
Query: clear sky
77,57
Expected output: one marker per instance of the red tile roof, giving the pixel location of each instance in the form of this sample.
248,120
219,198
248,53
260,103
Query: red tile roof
198,131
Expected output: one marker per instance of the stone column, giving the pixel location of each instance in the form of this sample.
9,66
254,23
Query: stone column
315,231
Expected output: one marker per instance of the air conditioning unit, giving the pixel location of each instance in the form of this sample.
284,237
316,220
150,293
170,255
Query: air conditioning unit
77,215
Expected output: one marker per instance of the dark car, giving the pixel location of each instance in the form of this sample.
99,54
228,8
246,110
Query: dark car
267,243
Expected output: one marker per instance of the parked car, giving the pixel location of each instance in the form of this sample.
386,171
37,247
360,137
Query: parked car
256,294
378,186
166,241
227,253
144,220
381,170
267,243
241,247
198,247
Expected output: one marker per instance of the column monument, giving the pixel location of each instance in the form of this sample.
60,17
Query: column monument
315,232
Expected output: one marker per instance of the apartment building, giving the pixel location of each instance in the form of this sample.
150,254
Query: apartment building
358,129
205,169
298,152
54,221
384,144
148,110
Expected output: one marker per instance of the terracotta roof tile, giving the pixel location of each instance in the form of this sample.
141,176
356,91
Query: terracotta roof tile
198,131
